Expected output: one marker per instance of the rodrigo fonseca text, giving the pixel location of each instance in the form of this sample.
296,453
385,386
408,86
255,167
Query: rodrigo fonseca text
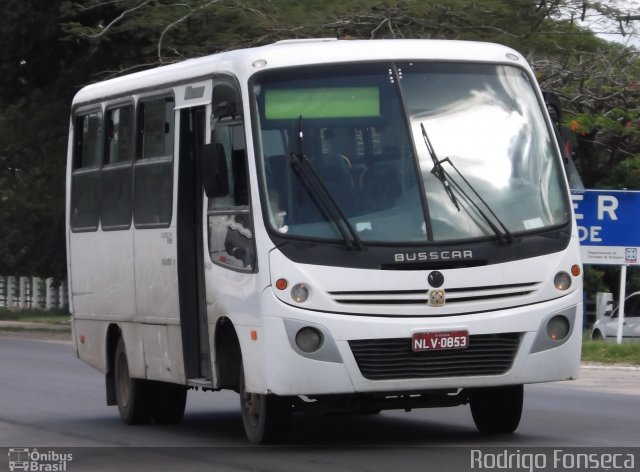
551,459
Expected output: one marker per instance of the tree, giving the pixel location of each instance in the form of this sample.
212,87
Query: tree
34,107
32,175
50,48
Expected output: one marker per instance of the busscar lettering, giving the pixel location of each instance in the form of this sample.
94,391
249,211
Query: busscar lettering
432,256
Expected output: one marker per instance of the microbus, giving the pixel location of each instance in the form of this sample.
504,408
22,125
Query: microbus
323,226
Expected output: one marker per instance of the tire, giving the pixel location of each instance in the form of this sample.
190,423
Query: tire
169,401
597,335
497,410
266,418
134,396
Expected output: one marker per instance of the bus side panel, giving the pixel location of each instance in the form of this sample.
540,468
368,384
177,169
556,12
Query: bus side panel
163,353
132,334
235,295
102,278
156,276
157,303
91,340
67,212
92,345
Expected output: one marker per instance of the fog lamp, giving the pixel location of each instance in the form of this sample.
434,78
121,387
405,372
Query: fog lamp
308,339
558,327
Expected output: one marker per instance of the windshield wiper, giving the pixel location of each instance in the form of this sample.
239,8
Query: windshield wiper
437,170
321,194
450,184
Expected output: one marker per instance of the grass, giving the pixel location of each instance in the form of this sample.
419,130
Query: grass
610,353
35,316
12,329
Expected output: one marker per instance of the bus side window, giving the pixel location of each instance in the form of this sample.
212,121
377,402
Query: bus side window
153,168
230,223
85,177
117,172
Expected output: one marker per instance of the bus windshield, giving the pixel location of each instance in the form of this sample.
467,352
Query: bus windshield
409,152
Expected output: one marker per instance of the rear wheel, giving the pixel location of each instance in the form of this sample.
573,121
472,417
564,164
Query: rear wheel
497,410
266,418
134,396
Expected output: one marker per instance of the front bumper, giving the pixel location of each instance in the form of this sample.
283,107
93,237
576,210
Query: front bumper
278,368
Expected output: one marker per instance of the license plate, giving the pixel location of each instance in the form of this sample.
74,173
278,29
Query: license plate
440,341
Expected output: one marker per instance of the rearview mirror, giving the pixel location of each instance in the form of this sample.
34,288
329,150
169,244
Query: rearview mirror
563,136
222,110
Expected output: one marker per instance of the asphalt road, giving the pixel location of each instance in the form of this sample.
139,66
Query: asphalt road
52,401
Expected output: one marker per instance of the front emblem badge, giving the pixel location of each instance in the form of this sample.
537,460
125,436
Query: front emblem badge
435,279
436,297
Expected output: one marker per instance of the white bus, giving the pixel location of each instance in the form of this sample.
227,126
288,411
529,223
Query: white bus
323,225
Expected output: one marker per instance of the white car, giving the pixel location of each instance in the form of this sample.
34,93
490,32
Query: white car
607,327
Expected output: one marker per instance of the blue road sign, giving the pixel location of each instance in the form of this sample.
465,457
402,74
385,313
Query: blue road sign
608,226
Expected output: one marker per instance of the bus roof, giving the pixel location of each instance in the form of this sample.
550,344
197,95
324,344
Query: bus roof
245,62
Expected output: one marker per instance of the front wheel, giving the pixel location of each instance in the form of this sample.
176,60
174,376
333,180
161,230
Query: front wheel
597,335
497,410
266,418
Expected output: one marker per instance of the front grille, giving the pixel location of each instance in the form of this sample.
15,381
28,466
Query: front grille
388,359
421,297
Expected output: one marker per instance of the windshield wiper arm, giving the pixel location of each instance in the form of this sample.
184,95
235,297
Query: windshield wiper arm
504,235
437,169
449,184
319,191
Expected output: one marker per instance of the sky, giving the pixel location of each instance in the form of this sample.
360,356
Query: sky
610,30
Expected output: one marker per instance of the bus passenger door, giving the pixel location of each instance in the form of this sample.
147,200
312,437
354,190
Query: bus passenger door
232,290
193,316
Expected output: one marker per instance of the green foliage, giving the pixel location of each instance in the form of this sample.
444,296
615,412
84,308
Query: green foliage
30,59
32,187
50,48
625,175
633,280
594,280
617,121
35,316
609,353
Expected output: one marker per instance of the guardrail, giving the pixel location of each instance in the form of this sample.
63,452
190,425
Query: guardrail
33,293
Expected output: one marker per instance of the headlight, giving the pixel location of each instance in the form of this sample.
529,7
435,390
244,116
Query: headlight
562,281
300,293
